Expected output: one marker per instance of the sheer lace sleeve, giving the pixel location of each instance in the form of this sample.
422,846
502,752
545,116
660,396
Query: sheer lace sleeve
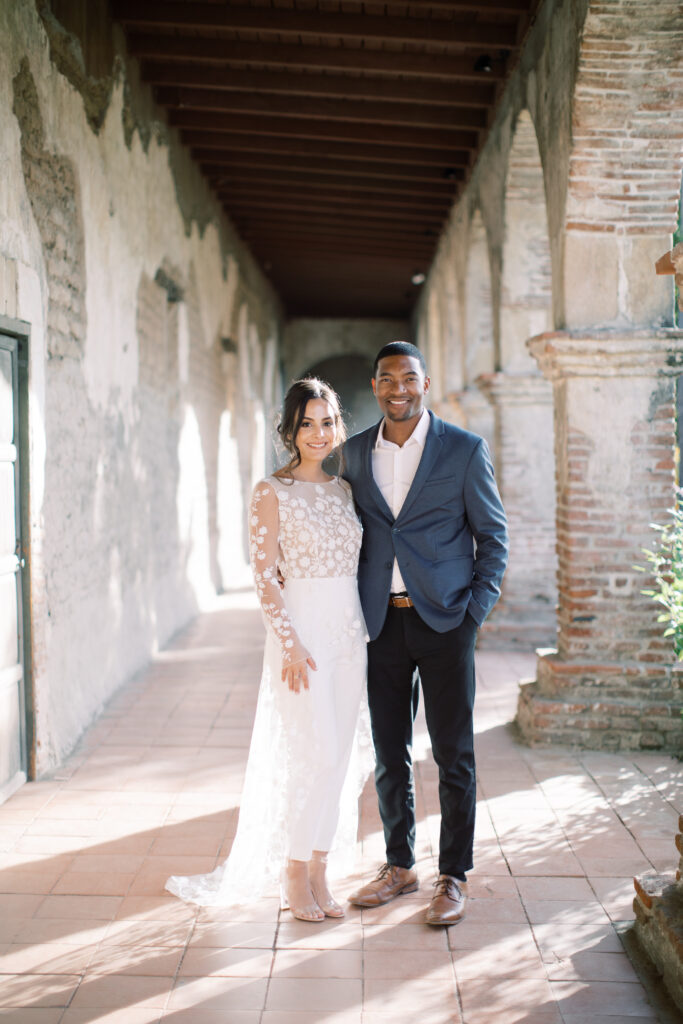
264,527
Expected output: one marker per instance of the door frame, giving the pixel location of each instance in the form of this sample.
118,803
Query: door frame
20,331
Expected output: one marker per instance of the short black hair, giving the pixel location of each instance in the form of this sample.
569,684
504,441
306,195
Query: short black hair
399,348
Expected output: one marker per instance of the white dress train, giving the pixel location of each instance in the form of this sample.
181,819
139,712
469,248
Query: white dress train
311,751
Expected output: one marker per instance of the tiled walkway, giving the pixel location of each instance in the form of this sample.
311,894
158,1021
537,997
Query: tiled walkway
87,933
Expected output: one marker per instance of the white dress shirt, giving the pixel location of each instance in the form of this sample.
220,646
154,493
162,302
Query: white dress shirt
394,468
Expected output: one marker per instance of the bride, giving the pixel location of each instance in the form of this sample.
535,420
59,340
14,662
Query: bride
308,758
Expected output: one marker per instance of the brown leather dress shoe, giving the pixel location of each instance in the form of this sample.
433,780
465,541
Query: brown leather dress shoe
390,882
448,902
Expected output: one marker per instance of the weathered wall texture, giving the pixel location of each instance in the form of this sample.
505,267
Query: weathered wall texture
573,199
153,366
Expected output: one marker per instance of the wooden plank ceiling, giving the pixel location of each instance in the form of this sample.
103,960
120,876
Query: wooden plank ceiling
337,133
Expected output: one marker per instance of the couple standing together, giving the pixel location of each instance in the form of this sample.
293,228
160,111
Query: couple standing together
410,545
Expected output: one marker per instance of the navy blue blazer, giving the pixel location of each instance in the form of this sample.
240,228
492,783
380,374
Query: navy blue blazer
453,502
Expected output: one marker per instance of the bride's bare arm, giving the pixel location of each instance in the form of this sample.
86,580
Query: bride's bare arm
264,529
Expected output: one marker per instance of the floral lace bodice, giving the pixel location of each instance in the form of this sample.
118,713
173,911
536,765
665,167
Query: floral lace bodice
307,530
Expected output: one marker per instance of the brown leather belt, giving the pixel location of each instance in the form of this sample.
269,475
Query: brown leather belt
400,601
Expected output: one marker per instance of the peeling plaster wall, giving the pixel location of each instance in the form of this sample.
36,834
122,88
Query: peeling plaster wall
146,424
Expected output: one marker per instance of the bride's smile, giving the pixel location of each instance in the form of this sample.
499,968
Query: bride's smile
316,437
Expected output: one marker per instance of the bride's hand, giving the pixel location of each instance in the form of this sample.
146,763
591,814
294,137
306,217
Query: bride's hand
295,673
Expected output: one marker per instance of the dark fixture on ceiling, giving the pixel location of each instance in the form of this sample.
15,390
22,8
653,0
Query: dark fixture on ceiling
484,64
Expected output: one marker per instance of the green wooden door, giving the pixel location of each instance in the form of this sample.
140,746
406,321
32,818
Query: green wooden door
12,698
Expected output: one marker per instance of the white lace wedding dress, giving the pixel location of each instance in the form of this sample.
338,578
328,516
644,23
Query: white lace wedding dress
311,751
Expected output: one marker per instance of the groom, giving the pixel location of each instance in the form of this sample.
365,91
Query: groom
426,495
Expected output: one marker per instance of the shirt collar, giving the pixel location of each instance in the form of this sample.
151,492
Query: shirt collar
418,436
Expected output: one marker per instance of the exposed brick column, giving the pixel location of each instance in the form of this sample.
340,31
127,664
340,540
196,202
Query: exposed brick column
611,683
658,904
525,467
658,909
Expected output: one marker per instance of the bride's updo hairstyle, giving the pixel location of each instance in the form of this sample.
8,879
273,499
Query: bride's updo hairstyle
294,410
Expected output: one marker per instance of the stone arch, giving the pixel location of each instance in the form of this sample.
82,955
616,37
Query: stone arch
308,341
478,350
350,377
452,313
625,165
434,352
526,301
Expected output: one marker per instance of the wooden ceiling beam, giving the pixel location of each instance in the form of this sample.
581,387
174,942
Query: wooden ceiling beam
332,274
414,115
228,143
307,246
347,221
491,6
305,243
266,225
328,238
244,205
237,194
301,179
212,51
456,32
342,131
199,76
214,163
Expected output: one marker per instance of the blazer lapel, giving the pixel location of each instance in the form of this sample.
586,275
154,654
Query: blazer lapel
430,454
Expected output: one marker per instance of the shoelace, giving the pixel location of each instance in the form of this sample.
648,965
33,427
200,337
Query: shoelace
383,872
444,887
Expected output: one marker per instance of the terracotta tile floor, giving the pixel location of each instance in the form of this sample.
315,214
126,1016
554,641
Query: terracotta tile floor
87,932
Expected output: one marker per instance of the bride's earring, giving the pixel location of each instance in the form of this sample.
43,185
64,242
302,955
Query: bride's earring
317,870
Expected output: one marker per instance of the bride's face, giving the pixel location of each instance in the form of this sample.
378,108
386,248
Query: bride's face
317,435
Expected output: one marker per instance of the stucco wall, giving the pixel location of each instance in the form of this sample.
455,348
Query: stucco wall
152,368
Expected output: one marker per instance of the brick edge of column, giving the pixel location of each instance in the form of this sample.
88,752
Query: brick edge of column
519,633
658,909
581,705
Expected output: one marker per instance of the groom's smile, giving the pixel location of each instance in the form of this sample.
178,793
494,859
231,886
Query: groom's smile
400,386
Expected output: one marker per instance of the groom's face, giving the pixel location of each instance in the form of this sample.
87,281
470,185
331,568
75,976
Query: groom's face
400,387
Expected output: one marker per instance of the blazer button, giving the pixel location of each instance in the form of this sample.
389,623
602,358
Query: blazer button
387,565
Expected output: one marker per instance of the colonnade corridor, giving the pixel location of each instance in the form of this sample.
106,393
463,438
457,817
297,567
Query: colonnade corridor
88,934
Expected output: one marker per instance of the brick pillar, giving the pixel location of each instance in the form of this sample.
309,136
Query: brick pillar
658,909
525,467
611,683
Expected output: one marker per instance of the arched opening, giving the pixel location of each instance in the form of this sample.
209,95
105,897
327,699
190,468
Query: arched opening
522,405
350,377
478,351
526,301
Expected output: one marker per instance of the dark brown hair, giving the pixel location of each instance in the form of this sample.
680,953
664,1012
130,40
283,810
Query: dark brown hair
294,405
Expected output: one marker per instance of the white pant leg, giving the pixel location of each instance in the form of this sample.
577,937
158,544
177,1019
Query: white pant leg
349,683
335,691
